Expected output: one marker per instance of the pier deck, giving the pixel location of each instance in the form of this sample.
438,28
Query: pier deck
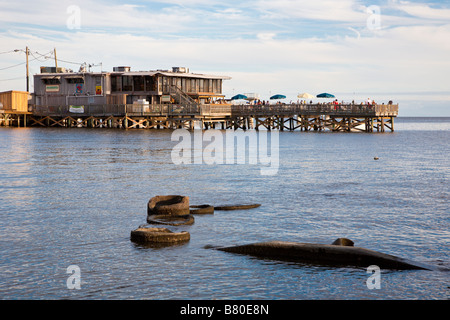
305,117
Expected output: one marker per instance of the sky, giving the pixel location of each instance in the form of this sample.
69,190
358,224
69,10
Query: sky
355,49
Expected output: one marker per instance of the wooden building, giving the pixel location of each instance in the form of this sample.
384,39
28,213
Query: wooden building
14,101
123,86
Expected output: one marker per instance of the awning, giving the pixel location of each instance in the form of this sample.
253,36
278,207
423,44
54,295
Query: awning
51,77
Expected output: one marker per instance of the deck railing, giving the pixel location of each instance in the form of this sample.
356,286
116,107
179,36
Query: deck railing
116,110
315,109
219,110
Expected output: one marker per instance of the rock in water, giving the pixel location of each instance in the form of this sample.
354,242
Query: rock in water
325,254
173,205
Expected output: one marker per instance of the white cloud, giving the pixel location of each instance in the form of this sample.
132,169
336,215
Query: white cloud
424,11
327,10
406,54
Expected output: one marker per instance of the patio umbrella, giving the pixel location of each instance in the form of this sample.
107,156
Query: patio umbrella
325,95
239,97
305,96
277,97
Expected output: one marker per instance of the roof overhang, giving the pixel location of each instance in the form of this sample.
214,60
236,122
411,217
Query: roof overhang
50,77
171,74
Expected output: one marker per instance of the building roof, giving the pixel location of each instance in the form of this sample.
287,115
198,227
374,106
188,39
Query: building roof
170,74
135,73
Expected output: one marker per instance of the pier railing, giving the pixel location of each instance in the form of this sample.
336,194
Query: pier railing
219,110
352,110
116,110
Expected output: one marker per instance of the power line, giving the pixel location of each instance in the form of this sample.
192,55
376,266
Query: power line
71,62
11,79
7,51
34,58
19,64
42,55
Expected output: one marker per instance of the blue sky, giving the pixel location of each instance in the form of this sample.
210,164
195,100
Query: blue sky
385,49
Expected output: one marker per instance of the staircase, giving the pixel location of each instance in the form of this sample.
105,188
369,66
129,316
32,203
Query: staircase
181,97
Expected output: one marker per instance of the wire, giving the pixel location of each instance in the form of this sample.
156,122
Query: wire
36,58
19,64
70,62
7,52
45,56
11,79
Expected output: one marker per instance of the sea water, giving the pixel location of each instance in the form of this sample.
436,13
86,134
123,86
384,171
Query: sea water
69,198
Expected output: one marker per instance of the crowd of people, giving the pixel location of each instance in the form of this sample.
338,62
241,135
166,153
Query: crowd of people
257,102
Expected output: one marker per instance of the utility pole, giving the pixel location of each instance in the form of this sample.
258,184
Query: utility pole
56,61
28,76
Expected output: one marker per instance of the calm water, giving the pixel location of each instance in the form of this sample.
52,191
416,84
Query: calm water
72,196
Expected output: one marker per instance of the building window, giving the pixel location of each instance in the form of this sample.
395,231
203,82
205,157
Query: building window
75,80
127,83
186,85
138,83
150,83
115,84
52,81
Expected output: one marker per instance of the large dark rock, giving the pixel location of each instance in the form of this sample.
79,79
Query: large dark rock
173,205
324,254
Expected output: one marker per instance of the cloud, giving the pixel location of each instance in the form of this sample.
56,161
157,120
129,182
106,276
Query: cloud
424,11
285,46
327,10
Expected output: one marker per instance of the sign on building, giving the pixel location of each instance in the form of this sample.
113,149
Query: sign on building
52,88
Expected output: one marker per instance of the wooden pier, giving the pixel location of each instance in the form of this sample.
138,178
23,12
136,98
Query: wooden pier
290,117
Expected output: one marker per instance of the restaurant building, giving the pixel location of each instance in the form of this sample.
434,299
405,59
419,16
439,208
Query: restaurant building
61,87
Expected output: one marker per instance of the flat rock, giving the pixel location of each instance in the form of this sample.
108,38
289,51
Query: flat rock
327,254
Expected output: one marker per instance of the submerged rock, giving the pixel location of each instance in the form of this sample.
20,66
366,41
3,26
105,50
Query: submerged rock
237,206
326,254
202,209
158,235
170,220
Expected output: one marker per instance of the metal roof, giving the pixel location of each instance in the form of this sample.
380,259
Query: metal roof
136,73
170,74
